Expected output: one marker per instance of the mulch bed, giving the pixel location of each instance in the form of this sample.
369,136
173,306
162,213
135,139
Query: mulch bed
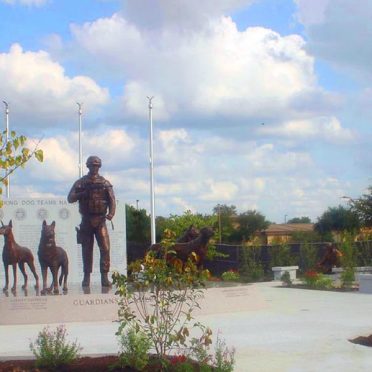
94,364
363,340
83,364
304,286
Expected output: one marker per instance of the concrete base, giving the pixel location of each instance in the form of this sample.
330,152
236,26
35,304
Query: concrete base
75,306
365,283
280,270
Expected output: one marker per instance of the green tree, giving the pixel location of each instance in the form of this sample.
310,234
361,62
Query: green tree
247,224
178,224
14,154
299,220
363,207
337,219
226,219
138,225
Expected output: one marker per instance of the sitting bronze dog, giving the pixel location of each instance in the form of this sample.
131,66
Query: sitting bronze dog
53,257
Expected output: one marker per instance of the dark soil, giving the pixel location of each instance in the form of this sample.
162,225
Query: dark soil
94,364
304,286
83,364
363,340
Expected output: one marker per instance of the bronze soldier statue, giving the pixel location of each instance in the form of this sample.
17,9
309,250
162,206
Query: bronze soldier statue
95,196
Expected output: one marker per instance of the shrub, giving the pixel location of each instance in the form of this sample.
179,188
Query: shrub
135,347
224,358
348,277
281,255
249,266
51,349
286,279
230,276
308,254
160,305
317,280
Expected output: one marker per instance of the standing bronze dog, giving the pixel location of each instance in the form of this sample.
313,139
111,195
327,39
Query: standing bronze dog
14,254
53,257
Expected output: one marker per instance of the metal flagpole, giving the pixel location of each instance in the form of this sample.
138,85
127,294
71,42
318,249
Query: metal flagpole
7,139
80,112
153,231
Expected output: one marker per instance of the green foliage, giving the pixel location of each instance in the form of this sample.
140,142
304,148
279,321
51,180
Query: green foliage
248,223
363,207
363,255
299,220
308,254
338,219
135,347
138,225
305,236
15,154
178,224
286,279
348,277
51,349
161,302
317,280
226,216
250,268
281,255
230,276
348,259
224,358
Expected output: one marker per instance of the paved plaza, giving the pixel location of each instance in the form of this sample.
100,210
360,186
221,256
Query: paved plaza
272,329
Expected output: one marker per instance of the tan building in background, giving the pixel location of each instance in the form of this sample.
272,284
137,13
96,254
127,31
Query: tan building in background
282,233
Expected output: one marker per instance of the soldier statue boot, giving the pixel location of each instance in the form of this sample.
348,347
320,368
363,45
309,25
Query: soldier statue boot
105,281
86,280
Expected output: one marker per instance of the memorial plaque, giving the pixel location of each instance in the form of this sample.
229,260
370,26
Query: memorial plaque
27,216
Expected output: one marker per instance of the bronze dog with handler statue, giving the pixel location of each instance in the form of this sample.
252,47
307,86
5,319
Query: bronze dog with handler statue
96,204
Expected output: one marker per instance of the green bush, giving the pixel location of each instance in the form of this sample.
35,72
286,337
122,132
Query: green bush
348,277
281,256
224,358
135,347
230,276
250,268
51,349
308,254
317,280
286,279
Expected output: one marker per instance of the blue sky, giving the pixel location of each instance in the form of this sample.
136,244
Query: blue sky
262,104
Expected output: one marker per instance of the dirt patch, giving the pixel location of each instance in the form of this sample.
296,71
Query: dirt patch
363,340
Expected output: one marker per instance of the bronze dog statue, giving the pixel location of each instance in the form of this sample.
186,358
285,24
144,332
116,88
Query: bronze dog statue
14,254
53,257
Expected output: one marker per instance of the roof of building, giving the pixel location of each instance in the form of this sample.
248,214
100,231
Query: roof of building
288,228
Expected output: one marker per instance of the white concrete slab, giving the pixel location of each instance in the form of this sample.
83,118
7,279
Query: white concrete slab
274,329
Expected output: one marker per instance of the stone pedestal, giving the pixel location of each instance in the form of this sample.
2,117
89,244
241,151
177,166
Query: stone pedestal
75,306
365,283
280,270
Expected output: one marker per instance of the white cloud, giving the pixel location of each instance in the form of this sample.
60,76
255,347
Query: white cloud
328,129
38,89
218,70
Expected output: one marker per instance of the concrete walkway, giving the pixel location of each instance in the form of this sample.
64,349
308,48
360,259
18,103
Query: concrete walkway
272,329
